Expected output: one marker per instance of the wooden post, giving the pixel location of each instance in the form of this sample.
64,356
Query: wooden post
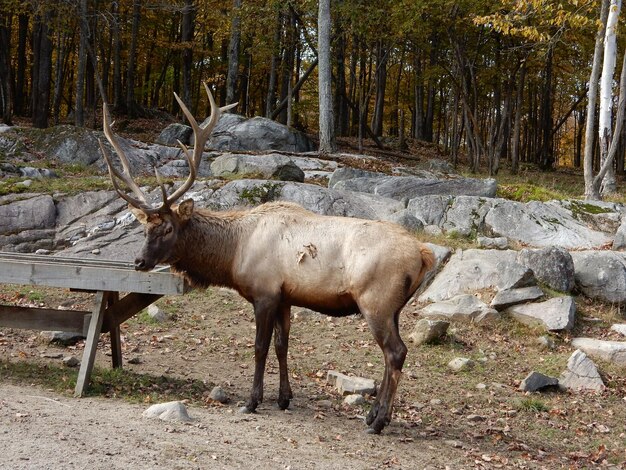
116,344
91,344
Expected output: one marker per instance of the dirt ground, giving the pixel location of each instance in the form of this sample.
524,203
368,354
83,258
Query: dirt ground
475,419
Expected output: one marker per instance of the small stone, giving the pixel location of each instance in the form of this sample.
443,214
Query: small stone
157,314
24,184
435,402
170,411
428,331
70,361
134,360
52,355
536,381
354,400
581,374
481,386
545,342
498,243
62,337
475,418
95,251
218,394
350,385
42,251
459,364
620,328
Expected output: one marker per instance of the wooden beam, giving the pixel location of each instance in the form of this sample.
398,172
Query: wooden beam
91,343
43,319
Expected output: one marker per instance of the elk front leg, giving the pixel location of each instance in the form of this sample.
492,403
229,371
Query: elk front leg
281,345
264,313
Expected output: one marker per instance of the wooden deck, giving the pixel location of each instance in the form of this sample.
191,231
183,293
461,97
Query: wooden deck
107,279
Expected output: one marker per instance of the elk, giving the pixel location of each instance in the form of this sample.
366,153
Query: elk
279,255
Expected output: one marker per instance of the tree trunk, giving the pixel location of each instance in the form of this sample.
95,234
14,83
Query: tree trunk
381,86
517,126
272,80
547,150
79,112
42,70
606,94
326,126
187,27
5,70
21,97
118,100
591,192
233,53
131,104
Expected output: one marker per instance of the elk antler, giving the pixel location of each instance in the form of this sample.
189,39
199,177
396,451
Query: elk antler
201,135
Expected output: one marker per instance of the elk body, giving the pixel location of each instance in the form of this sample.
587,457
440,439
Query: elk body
279,255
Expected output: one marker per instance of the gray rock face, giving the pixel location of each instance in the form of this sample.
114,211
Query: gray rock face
428,331
407,220
312,197
619,241
498,243
509,297
429,209
72,208
581,374
170,411
554,314
552,265
404,188
465,215
219,395
459,364
610,351
271,165
473,270
38,212
542,224
258,133
601,274
29,241
347,385
619,328
349,173
536,381
174,133
464,307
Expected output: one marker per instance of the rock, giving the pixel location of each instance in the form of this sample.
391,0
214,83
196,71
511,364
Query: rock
552,266
62,337
601,274
474,418
312,197
38,173
351,385
545,342
173,133
610,351
219,395
354,400
465,215
258,133
157,314
554,314
620,328
170,411
24,184
429,209
536,381
37,212
459,364
180,168
440,166
349,173
508,297
72,208
542,224
474,270
619,241
498,243
464,307
581,374
70,361
29,241
272,165
428,331
404,188
406,220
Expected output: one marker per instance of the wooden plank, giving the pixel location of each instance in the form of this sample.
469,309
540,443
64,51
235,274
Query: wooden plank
96,278
43,319
31,257
91,343
126,307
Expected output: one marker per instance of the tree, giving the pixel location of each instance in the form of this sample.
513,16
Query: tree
5,69
79,116
326,125
233,53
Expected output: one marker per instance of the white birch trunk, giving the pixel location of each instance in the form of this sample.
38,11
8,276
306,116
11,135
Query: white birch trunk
606,92
326,125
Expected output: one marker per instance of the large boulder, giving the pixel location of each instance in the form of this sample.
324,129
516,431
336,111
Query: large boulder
26,213
175,133
552,265
601,274
272,165
258,133
469,271
542,224
610,351
554,315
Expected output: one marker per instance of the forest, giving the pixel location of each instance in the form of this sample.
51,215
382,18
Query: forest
496,82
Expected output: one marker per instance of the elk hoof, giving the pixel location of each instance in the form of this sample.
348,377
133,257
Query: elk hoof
372,431
283,403
246,411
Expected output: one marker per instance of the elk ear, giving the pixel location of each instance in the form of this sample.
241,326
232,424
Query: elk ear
185,209
140,215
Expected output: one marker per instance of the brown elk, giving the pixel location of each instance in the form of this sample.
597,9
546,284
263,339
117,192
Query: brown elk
278,255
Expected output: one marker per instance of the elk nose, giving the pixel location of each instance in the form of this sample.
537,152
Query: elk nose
140,264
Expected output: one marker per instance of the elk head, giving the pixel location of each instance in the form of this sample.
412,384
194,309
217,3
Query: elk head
162,223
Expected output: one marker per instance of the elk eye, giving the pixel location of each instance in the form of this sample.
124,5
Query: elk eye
168,230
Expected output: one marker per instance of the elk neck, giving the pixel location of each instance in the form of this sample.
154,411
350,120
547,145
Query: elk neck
206,247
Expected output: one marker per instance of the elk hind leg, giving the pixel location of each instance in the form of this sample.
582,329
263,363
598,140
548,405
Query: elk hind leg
281,345
264,313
